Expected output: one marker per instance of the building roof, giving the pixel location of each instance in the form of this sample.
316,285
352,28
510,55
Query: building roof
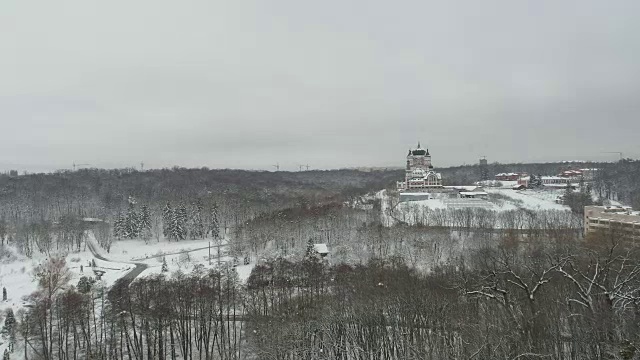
471,193
321,248
419,151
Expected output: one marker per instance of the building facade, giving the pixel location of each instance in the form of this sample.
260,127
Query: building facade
546,180
623,221
419,173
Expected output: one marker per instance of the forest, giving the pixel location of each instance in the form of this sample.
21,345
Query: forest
541,299
455,284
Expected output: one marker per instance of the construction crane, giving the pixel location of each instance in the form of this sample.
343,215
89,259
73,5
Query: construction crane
77,165
613,152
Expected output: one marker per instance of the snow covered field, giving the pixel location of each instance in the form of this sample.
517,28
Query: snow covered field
179,255
500,199
17,271
529,199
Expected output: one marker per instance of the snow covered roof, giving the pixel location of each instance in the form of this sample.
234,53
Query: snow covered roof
462,187
471,193
321,248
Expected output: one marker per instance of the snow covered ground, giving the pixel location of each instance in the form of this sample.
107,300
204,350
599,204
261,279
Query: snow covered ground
179,255
499,199
17,275
530,199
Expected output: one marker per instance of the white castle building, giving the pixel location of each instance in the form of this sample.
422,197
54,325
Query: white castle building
419,173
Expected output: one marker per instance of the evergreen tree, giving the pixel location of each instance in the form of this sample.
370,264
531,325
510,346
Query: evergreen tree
119,227
167,220
178,224
568,194
165,268
535,181
132,223
145,222
196,223
214,225
310,253
9,322
182,219
9,330
5,356
4,294
85,284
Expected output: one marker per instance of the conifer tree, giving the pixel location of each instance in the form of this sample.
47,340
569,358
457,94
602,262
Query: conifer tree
310,252
132,222
182,218
214,226
165,268
4,294
177,227
196,223
119,227
85,284
9,330
167,220
145,222
5,356
9,322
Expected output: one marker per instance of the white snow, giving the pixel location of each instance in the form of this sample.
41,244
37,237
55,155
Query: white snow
532,199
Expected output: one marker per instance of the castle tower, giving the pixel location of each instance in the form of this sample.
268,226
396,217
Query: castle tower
419,172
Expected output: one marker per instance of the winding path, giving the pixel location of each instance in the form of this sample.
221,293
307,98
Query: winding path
128,277
180,252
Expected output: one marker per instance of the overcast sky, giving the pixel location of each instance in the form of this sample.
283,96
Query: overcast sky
332,83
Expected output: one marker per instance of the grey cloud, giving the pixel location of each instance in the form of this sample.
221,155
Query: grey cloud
332,83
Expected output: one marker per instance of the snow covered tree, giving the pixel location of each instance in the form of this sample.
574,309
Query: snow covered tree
4,294
568,194
165,268
132,223
196,223
119,227
9,329
178,224
167,220
310,253
9,322
145,222
214,225
85,284
535,181
5,356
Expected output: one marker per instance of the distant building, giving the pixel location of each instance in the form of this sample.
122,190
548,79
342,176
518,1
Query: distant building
623,220
508,176
579,174
419,173
321,249
473,195
552,181
484,169
415,196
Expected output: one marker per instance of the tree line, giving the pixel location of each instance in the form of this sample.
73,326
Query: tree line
519,300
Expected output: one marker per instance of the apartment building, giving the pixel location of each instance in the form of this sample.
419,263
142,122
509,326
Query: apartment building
622,220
